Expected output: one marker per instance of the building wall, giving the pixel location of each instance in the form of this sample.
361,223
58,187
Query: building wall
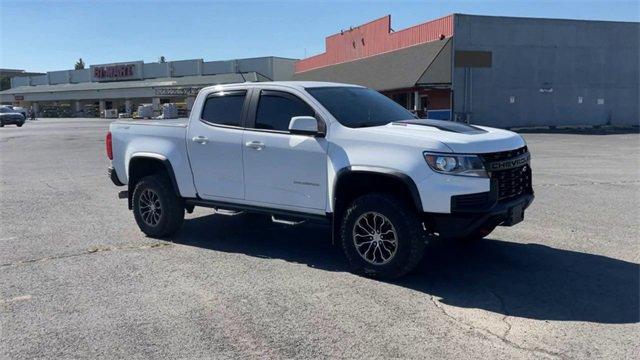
155,70
39,79
79,76
20,81
58,77
274,68
542,68
283,68
186,67
217,67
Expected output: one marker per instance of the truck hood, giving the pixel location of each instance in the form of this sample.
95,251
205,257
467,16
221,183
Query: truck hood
459,137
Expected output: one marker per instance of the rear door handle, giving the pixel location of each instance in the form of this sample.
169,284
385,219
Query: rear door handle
200,139
255,145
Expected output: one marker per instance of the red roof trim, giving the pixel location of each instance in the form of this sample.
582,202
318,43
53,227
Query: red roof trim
374,38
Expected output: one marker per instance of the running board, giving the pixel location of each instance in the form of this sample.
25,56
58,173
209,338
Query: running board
295,216
286,222
226,212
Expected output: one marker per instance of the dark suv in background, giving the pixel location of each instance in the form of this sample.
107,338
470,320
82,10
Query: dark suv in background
10,116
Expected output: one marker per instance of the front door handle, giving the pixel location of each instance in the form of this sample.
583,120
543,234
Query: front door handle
200,139
255,145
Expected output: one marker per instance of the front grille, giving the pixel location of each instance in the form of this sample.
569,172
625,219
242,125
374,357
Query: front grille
503,155
513,182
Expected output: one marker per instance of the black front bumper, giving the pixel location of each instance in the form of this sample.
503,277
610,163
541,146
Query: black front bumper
111,172
463,223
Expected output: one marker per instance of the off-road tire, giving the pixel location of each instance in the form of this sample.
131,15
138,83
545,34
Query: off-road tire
172,206
411,239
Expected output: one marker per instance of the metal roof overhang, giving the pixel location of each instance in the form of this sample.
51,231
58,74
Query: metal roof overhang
93,90
424,64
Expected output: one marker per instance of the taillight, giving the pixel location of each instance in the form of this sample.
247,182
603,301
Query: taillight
109,146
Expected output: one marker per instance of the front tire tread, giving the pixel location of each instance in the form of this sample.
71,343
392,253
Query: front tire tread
408,225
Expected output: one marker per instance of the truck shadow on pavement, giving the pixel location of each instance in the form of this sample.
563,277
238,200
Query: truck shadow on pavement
522,280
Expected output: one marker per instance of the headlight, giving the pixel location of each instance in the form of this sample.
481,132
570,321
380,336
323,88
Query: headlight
452,164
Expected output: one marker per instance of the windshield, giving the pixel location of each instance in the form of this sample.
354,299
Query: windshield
359,107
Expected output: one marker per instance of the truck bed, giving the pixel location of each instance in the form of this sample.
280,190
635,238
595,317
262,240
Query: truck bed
164,140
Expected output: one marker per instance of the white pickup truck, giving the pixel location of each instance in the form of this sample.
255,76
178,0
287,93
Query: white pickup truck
310,151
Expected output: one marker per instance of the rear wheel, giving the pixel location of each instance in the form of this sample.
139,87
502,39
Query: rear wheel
158,210
382,237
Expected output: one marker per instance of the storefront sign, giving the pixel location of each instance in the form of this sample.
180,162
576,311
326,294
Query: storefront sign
183,91
116,72
18,97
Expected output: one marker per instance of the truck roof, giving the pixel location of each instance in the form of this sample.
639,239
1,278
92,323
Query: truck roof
291,84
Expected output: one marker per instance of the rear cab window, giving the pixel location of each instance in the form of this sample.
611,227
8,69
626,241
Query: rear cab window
224,108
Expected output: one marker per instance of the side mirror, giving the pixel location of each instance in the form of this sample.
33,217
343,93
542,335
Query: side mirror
304,125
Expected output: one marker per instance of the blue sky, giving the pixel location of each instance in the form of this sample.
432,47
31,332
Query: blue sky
52,35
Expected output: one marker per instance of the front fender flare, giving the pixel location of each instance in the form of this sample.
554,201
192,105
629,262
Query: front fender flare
406,179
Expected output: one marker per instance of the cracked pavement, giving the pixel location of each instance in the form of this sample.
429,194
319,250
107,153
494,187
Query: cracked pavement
78,280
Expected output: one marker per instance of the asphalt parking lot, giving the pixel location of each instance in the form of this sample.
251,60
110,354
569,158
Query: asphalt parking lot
79,280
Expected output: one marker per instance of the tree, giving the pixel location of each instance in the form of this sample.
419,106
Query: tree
5,83
162,59
79,64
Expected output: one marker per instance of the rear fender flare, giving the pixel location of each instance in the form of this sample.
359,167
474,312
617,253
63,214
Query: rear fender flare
155,157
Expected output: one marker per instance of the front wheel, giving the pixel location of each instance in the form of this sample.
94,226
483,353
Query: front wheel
19,125
158,210
382,237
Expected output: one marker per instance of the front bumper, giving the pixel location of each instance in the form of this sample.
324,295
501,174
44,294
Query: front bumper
460,224
111,172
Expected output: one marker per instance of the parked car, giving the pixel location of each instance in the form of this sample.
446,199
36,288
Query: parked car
21,110
10,116
346,155
17,109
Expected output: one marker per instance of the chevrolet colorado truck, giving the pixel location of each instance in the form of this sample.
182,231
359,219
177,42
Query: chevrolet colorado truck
386,181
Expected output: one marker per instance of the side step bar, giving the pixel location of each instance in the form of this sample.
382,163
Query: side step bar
277,215
227,212
287,222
